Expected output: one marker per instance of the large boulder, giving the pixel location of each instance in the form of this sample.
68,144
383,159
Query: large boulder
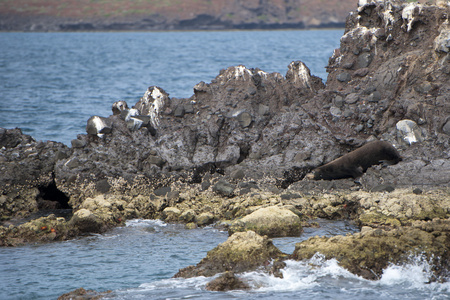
273,221
101,213
86,221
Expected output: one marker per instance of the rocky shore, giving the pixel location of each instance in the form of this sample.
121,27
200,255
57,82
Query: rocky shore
88,15
236,153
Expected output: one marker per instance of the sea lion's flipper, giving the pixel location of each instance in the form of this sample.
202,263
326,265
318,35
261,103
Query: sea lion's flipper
357,172
385,163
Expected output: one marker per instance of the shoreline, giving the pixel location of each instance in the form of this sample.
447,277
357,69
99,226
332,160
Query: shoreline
336,26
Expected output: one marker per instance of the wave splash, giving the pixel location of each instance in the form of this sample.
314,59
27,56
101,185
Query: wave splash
319,275
145,223
309,279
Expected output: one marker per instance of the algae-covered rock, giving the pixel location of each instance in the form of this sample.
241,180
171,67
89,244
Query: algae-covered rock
272,221
243,251
369,252
18,203
44,229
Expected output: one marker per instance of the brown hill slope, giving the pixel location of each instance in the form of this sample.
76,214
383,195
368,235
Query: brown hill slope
171,14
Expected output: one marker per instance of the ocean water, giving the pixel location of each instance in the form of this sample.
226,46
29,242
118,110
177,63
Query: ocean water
51,83
138,261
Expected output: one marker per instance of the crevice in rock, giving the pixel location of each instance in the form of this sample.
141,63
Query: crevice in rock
200,171
243,153
50,197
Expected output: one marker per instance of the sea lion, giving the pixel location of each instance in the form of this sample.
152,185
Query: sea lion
355,163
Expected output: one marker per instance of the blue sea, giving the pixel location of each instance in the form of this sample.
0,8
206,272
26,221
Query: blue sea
51,83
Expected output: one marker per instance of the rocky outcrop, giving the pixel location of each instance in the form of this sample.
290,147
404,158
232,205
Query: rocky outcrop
250,129
249,125
27,180
243,251
41,230
369,252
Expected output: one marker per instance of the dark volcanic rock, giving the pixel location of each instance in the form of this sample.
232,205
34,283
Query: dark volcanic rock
244,116
27,173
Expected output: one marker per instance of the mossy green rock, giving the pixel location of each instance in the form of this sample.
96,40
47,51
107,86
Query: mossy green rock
273,221
241,252
369,252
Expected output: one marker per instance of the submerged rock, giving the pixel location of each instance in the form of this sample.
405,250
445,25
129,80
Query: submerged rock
82,294
226,282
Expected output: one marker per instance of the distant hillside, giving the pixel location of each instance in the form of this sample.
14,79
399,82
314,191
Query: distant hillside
57,15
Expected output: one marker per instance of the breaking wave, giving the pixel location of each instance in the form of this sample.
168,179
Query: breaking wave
310,279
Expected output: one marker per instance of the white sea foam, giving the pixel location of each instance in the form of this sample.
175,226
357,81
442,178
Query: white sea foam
177,283
415,275
143,222
309,279
299,275
317,273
